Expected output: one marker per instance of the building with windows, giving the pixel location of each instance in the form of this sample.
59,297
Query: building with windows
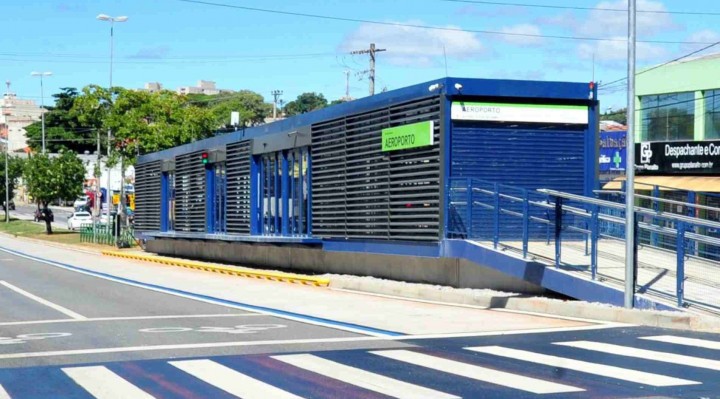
677,137
15,114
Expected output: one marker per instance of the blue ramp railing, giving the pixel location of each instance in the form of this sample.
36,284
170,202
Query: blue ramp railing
588,234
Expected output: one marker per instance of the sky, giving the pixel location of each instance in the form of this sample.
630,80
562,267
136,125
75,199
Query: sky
239,46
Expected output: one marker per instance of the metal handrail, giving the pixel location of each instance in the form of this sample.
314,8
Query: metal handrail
665,200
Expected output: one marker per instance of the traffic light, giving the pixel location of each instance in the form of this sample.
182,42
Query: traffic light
205,158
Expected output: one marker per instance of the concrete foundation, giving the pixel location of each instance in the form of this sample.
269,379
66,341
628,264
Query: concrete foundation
451,272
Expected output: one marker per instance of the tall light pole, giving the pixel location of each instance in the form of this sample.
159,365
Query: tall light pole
630,169
42,104
112,20
7,182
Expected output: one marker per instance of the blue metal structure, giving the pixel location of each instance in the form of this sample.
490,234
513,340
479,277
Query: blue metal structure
324,180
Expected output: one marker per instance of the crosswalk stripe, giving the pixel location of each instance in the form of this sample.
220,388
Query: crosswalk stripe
364,379
3,393
645,354
700,343
104,384
231,381
585,367
492,376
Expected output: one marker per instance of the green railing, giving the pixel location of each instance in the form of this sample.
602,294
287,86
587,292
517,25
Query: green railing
104,234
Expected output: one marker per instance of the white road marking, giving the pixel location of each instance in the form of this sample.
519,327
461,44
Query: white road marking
72,352
510,332
3,393
364,379
231,381
479,373
45,302
700,343
585,367
645,354
104,384
20,323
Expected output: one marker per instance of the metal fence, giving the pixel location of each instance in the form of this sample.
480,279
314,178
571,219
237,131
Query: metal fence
587,235
106,234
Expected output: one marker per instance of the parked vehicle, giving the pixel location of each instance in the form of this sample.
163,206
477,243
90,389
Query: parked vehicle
81,201
78,219
40,215
12,205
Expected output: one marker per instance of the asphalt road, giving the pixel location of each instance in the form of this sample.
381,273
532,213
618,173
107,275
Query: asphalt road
27,212
66,334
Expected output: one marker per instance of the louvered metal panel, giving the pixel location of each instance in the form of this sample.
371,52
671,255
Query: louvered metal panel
238,188
190,193
148,180
530,158
361,192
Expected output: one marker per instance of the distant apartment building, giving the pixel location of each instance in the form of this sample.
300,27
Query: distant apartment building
206,87
153,87
15,115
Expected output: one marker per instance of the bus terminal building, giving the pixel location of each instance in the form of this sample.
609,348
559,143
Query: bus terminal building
362,187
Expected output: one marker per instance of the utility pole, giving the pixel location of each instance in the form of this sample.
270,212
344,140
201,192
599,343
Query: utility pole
371,71
630,238
276,94
347,84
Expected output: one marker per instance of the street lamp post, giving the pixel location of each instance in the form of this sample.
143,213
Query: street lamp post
112,20
7,183
42,104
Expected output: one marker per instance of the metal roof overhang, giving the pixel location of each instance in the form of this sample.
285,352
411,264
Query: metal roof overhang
705,184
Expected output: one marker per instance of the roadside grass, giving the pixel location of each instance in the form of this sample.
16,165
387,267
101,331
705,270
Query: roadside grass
26,228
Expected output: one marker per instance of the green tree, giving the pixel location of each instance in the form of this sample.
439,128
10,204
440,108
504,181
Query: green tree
63,130
619,116
15,171
48,179
250,105
306,102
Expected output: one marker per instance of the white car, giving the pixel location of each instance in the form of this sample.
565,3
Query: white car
81,201
78,219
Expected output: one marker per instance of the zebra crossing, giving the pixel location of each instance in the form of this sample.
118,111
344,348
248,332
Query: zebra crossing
643,365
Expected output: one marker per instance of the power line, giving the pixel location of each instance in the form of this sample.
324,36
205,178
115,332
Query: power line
532,5
663,64
418,26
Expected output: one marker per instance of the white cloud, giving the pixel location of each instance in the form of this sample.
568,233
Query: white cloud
702,36
614,53
413,46
517,33
600,22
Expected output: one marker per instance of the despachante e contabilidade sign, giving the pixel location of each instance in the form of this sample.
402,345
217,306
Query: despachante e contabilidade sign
678,158
414,135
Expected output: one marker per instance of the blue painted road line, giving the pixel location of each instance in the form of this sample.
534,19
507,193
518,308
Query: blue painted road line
218,301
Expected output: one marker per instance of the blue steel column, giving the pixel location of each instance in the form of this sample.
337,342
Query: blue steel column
656,208
594,237
525,222
285,191
309,192
496,223
558,230
445,161
164,201
276,191
255,184
680,283
591,147
209,199
692,199
469,209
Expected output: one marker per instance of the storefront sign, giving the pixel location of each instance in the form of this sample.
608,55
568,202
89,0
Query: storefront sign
613,149
678,158
415,135
507,112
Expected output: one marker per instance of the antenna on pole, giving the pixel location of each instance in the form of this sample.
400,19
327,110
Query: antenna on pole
276,94
445,55
347,85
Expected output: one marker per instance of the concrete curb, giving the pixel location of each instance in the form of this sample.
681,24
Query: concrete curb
571,309
229,270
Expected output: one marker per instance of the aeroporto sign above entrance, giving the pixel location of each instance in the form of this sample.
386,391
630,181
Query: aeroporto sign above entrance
514,112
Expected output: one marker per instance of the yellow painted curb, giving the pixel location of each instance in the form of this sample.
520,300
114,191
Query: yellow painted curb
232,271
